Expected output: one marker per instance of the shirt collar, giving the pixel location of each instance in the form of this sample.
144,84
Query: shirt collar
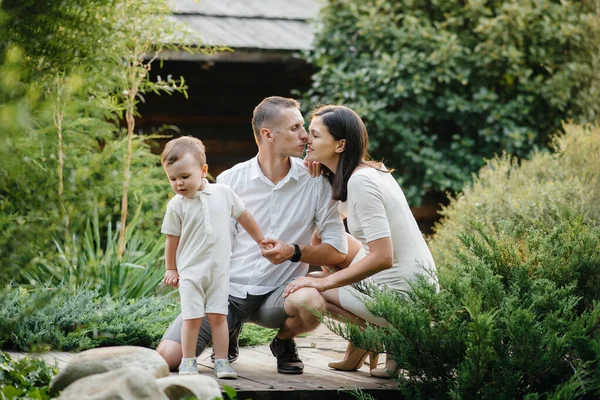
206,189
256,172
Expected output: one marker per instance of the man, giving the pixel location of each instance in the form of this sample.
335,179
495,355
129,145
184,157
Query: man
288,204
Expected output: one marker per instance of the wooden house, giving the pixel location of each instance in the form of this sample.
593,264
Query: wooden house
267,37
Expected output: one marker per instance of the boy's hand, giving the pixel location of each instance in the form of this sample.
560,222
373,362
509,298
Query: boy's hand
267,244
171,278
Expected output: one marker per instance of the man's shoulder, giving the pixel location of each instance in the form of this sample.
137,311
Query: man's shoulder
304,175
234,171
220,188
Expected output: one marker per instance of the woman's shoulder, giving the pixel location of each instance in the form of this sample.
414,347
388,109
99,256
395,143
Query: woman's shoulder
369,172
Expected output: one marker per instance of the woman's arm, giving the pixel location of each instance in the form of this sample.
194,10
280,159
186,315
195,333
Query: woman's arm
381,257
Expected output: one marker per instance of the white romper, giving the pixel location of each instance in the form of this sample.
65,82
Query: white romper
203,254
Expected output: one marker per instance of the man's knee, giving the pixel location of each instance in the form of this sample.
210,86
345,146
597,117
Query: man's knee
306,300
171,352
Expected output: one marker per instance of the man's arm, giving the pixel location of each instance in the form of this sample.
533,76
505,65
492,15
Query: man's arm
320,254
329,228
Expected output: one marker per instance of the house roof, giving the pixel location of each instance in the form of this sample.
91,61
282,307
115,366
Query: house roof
251,25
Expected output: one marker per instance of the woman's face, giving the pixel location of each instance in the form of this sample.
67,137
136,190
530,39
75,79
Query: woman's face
321,145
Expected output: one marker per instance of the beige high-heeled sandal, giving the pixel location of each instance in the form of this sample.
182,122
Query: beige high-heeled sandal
355,360
391,369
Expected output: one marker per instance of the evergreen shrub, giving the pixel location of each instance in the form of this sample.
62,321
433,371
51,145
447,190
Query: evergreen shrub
528,190
517,316
518,262
75,320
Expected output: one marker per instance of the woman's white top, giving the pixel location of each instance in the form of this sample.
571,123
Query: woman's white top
376,209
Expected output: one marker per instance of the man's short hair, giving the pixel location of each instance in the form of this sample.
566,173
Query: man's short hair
268,109
177,148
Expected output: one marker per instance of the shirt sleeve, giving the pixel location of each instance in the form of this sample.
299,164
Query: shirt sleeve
237,205
172,222
329,224
369,207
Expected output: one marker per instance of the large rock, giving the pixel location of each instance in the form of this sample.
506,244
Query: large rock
184,386
97,361
128,383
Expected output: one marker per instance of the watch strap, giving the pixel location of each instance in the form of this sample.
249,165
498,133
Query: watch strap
297,253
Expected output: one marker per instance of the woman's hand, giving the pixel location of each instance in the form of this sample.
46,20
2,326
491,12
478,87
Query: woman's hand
314,168
171,278
304,281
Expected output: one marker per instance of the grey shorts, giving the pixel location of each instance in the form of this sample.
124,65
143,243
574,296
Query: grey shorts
264,310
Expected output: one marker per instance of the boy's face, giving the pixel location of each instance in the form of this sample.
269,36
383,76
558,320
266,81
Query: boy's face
186,176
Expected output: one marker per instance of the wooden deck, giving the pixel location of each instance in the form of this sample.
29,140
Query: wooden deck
258,378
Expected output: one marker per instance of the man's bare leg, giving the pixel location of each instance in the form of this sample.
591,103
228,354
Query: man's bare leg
171,351
300,319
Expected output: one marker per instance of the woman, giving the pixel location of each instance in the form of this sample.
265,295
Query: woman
393,249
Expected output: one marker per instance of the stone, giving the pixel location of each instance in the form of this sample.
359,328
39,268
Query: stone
184,386
128,383
97,361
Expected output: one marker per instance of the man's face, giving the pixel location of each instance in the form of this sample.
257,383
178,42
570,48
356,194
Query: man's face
289,135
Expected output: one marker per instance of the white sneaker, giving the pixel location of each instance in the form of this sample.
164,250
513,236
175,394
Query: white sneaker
188,366
223,370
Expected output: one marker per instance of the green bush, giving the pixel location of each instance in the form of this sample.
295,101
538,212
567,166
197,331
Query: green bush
254,335
442,84
530,190
26,378
517,316
74,320
91,262
518,262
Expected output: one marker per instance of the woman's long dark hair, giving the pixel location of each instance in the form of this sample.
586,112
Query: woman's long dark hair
343,123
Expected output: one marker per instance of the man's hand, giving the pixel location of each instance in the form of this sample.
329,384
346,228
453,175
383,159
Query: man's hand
171,278
279,252
304,281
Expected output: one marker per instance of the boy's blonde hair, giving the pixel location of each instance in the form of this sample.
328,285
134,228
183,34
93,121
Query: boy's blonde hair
177,148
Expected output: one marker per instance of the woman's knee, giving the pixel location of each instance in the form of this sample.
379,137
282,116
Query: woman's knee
171,352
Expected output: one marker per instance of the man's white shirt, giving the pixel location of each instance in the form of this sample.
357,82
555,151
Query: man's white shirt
289,211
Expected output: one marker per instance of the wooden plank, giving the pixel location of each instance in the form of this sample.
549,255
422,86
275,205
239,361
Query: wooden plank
257,369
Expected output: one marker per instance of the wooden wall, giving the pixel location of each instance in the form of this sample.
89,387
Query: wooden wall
222,96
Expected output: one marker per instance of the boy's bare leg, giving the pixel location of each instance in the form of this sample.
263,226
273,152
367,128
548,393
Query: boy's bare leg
220,332
189,337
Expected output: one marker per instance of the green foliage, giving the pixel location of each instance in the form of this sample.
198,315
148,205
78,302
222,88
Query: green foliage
63,149
443,84
518,262
254,335
69,320
92,262
530,190
25,378
511,319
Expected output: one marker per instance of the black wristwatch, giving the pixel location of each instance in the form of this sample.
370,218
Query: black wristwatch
297,253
